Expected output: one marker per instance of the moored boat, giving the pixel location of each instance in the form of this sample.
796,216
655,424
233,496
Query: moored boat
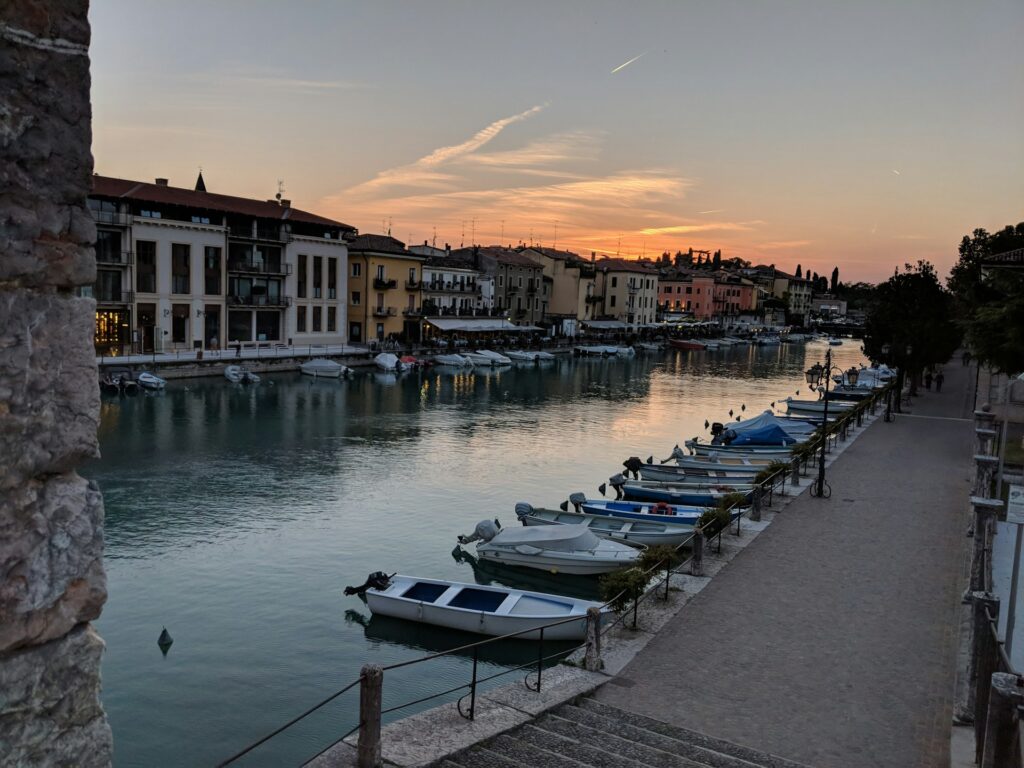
486,610
647,533
322,368
689,344
389,362
147,380
453,359
817,406
781,453
521,356
554,549
238,374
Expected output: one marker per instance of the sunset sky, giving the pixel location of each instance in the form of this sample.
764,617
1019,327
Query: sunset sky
857,134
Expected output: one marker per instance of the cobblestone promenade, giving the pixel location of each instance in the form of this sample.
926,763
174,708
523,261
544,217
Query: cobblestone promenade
831,639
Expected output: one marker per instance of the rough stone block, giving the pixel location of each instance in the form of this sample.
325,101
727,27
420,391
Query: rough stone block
49,704
49,390
51,566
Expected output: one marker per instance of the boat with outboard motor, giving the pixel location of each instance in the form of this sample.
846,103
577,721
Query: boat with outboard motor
453,359
486,610
817,406
322,368
147,380
673,473
487,357
778,452
678,493
687,344
574,550
238,374
636,532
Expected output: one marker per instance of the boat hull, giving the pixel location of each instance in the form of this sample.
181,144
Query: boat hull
634,532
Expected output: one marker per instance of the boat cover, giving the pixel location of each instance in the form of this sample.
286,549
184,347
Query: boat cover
768,435
563,538
796,429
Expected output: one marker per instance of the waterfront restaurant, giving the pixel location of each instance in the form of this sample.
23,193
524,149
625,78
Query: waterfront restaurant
186,269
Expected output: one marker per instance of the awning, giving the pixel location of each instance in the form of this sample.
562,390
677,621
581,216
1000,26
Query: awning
478,324
605,325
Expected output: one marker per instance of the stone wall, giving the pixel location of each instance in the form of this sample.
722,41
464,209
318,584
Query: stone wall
51,520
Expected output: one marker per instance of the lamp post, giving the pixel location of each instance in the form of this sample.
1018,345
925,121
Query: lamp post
815,374
888,396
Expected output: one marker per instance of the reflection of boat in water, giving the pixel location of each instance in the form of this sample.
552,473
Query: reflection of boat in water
488,573
428,638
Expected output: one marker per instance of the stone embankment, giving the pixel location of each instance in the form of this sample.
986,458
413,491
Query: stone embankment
52,582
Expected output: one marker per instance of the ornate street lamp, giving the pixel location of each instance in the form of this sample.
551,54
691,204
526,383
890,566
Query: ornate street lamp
816,375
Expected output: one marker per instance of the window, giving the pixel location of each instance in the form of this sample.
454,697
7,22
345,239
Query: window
357,269
268,326
300,318
332,318
239,326
612,303
689,289
519,303
412,275
301,289
108,247
318,279
180,255
357,297
317,313
211,271
380,272
520,280
332,279
145,266
501,281
179,323
150,214
615,282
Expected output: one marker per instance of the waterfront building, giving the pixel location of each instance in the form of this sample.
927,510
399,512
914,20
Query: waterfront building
828,305
734,295
518,286
384,290
687,290
627,291
182,268
572,282
452,286
796,292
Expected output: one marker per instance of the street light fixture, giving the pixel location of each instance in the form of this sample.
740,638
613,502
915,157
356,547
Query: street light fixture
815,375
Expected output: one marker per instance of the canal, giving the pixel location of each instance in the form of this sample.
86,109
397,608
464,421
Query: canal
235,517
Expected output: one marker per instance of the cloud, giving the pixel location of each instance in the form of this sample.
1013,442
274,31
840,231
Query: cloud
686,229
298,84
778,244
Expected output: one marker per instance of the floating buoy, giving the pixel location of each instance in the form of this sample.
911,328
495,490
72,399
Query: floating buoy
165,641
706,423
773,403
743,407
730,412
737,418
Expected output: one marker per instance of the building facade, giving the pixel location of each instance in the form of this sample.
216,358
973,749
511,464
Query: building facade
571,281
185,269
453,287
627,291
385,290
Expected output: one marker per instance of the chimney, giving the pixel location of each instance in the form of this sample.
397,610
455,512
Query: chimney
286,203
593,256
161,182
447,249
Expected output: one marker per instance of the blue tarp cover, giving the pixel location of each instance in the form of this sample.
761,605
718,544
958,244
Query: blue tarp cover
770,435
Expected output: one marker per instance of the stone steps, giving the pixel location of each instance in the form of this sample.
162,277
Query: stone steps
590,734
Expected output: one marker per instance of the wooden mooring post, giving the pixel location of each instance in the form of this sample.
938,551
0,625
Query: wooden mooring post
592,661
697,558
371,686
755,504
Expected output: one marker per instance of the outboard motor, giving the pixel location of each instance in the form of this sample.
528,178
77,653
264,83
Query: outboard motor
485,531
677,453
728,436
577,499
616,482
633,464
717,428
523,510
377,580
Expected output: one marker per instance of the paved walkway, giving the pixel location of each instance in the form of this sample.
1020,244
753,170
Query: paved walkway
831,640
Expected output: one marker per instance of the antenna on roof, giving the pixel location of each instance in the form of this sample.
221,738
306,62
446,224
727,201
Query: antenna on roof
462,243
502,238
433,242
555,244
280,188
472,236
389,226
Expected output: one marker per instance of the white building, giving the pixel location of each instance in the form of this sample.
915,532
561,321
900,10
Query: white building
452,286
186,269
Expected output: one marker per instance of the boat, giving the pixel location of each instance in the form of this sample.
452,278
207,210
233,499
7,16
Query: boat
686,515
624,351
647,346
817,406
520,356
672,473
554,549
711,344
452,359
644,533
752,464
238,374
702,494
110,385
147,380
496,358
768,340
834,342
542,356
485,610
322,368
845,392
389,362
409,361
781,453
689,344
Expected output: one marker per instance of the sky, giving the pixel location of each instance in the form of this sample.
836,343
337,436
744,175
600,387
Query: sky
860,135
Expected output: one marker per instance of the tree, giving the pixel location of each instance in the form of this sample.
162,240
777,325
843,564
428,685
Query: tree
717,260
799,271
835,279
910,322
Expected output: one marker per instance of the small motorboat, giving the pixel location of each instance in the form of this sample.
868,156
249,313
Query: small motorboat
521,356
646,533
647,346
817,406
555,549
542,356
687,344
389,362
624,351
778,452
496,358
456,360
687,515
110,385
411,362
671,474
322,368
768,340
592,350
147,380
238,374
752,464
685,494
486,610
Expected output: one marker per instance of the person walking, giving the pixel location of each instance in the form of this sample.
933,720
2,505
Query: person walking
928,381
938,381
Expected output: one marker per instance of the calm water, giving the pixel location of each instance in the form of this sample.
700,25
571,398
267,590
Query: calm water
236,516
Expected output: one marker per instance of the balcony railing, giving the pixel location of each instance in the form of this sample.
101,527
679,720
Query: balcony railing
383,311
115,218
259,267
120,258
593,299
113,297
257,300
268,234
383,285
413,285
412,312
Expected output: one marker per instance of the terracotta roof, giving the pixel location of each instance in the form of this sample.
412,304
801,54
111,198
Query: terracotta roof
107,186
622,265
554,253
381,244
501,255
449,262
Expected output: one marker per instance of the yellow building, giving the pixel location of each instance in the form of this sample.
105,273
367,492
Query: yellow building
573,283
384,281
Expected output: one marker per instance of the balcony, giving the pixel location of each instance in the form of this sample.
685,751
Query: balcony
266,234
383,285
116,258
413,285
413,312
593,299
383,311
531,286
467,287
632,288
259,267
114,218
113,297
259,300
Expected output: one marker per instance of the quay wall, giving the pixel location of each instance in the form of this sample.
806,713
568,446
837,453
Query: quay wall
52,583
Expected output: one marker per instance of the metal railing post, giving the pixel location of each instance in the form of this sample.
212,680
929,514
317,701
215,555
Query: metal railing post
371,684
472,689
592,661
1006,693
984,516
697,559
755,504
795,472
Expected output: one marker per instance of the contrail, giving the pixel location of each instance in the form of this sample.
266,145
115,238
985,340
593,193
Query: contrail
623,66
717,210
895,171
